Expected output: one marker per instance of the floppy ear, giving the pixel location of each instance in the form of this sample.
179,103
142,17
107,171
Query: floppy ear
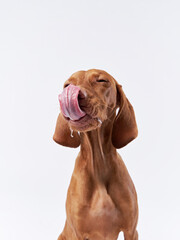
62,134
124,127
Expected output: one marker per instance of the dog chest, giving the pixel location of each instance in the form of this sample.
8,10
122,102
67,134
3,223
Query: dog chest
99,215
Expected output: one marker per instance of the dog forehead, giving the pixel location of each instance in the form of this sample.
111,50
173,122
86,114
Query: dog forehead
92,73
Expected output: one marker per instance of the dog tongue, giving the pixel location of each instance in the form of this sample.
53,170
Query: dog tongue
69,105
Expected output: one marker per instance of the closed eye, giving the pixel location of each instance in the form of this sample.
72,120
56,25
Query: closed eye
101,80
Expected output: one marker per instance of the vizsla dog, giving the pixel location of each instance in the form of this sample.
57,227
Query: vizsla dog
101,199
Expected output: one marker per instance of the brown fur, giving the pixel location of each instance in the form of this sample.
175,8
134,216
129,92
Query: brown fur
101,199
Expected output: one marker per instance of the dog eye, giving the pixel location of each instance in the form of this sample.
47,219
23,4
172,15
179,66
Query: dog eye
101,80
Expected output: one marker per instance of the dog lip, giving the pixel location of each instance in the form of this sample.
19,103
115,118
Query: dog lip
77,120
86,116
82,121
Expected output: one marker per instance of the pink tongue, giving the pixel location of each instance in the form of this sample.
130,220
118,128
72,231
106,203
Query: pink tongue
69,105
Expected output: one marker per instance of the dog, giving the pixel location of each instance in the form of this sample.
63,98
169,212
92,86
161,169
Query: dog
97,116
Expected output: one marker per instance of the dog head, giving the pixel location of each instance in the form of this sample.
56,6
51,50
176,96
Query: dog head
90,98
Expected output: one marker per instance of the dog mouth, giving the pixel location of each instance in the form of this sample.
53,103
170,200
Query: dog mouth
83,120
69,104
73,107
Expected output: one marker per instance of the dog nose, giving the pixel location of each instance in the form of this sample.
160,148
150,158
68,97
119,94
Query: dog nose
82,99
82,94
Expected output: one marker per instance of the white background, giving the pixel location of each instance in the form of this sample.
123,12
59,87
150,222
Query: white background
41,44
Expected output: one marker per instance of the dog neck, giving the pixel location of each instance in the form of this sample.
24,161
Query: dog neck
97,149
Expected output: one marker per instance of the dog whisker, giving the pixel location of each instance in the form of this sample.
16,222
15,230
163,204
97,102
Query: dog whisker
105,106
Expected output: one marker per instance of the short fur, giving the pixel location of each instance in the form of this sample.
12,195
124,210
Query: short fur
101,199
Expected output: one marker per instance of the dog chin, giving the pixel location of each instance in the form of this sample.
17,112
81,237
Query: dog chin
84,124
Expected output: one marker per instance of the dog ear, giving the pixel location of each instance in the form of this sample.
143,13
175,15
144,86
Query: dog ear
124,126
62,134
